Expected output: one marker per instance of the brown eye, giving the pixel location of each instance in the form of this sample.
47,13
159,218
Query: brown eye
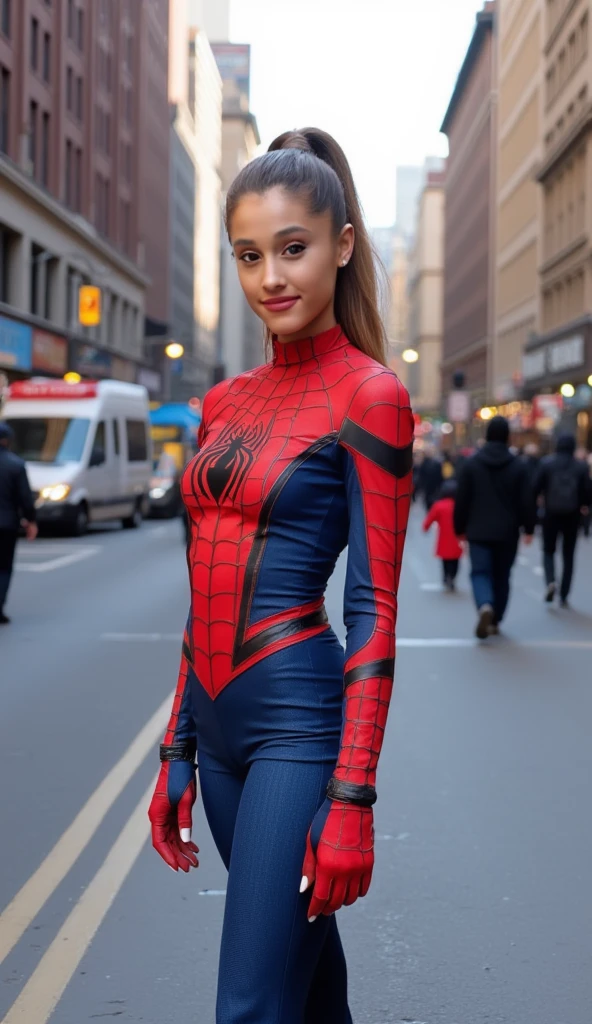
249,257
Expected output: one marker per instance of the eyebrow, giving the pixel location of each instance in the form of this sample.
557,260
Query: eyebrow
293,229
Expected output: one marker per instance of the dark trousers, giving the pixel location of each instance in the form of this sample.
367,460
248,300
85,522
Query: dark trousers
8,539
450,569
275,967
491,567
568,526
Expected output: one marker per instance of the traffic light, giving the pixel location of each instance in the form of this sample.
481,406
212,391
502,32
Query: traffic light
89,305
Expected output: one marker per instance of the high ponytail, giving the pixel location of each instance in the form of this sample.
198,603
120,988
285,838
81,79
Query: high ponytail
311,163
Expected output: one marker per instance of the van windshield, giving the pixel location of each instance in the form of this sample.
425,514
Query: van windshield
53,440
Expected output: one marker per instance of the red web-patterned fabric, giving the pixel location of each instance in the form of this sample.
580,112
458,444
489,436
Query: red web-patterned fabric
255,427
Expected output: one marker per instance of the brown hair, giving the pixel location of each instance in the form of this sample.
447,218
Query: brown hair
310,162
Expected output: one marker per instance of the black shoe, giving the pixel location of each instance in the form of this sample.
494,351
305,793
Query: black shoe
4,620
485,622
550,592
564,603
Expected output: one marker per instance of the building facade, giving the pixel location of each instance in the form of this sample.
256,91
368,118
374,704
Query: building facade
517,241
69,129
426,286
561,351
470,125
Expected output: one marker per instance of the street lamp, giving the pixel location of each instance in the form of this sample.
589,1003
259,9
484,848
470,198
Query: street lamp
567,390
410,355
174,350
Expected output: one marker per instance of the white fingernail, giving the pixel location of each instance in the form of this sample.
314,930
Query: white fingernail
304,884
185,834
311,919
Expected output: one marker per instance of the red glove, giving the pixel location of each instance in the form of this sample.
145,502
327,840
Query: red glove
339,856
170,815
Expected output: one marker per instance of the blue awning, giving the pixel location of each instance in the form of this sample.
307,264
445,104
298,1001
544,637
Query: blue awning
175,414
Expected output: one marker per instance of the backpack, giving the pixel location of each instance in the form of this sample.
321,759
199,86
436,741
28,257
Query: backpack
563,491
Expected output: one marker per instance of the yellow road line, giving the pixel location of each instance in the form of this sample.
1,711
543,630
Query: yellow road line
27,903
46,985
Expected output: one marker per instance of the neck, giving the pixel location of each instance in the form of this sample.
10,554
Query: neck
307,347
321,323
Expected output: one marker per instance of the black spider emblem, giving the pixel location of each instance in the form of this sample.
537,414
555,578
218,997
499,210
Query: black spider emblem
226,463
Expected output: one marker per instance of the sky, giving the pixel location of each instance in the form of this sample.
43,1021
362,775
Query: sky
376,74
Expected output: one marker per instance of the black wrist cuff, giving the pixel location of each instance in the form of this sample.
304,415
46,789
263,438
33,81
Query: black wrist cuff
178,752
351,793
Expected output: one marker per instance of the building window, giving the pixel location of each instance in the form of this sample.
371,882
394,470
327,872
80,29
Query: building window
5,15
6,242
79,98
4,108
69,174
33,118
34,43
45,150
69,90
46,56
124,219
78,180
71,19
80,28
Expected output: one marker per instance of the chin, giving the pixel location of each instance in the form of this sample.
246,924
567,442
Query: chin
285,324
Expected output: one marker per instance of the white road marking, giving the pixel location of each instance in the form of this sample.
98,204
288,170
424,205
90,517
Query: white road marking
212,892
27,903
57,563
45,987
435,587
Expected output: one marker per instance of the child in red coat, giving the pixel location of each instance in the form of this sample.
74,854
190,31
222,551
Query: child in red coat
448,546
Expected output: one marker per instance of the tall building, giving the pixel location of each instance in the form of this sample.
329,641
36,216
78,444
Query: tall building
561,351
71,158
517,237
470,124
426,284
146,28
410,182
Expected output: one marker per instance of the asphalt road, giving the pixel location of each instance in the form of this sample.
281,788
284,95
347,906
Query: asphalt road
481,906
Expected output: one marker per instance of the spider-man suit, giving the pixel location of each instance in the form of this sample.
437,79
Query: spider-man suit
297,459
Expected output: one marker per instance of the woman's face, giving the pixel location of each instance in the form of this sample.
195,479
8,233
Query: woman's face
287,262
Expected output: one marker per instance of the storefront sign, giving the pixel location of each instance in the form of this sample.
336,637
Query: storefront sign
15,344
93,362
558,356
459,407
50,352
546,412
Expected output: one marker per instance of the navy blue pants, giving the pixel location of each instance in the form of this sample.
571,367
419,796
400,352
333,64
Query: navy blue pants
275,967
491,567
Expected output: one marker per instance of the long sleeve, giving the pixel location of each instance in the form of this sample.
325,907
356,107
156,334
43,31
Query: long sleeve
181,727
462,500
378,436
25,497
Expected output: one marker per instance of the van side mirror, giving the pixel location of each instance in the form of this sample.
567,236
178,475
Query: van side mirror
97,457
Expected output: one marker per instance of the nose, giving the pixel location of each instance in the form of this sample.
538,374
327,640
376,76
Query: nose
273,277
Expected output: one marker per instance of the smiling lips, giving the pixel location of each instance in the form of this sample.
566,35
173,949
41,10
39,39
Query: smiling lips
281,304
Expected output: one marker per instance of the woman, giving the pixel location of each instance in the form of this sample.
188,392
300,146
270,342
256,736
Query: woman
298,458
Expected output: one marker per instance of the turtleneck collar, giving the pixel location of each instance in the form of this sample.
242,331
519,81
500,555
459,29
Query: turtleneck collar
288,352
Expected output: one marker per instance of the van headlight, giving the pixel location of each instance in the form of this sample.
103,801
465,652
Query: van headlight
57,492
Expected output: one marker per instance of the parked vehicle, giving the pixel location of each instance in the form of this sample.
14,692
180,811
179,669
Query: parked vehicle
87,447
174,429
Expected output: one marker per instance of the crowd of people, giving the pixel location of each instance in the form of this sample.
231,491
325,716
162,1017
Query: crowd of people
489,499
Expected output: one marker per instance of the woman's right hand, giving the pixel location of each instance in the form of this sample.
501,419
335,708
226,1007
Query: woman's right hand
170,815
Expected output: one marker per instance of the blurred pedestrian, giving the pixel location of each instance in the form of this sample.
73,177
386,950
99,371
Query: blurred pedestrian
494,502
430,477
16,508
448,546
531,458
564,483
448,466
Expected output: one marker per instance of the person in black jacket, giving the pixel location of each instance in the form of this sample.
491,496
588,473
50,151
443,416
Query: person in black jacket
430,478
494,501
16,507
564,483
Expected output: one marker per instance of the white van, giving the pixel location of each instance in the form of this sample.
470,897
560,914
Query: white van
87,447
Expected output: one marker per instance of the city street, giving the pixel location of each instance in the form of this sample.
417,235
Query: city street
481,903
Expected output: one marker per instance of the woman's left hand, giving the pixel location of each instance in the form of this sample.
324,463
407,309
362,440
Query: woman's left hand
339,856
